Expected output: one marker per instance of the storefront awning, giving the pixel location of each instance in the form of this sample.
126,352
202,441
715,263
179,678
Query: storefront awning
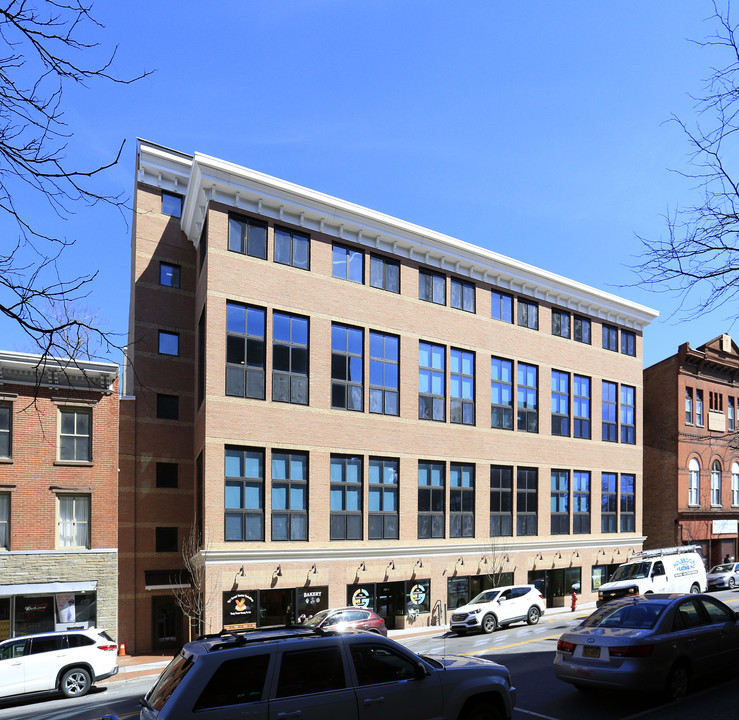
47,588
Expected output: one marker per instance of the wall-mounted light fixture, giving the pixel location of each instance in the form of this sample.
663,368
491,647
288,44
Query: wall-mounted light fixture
539,557
362,567
418,564
460,561
277,572
390,566
313,569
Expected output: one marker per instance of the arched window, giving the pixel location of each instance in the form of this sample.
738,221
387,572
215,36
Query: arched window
716,483
694,470
735,483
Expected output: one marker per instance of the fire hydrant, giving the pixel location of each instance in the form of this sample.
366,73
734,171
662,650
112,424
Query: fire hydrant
574,601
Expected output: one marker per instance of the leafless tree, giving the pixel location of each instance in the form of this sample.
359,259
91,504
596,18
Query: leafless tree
47,45
496,561
190,594
698,261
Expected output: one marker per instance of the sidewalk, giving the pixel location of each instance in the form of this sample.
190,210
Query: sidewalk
136,666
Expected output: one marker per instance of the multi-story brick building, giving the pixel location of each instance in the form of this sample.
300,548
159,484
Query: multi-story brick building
58,494
691,449
355,409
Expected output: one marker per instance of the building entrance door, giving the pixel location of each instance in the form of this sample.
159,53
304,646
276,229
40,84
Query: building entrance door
166,623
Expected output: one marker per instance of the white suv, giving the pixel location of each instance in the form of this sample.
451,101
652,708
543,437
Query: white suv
315,674
68,662
499,607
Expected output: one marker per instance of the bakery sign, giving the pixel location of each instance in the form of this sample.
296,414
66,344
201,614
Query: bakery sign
240,610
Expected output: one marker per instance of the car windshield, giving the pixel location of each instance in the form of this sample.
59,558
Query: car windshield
722,568
484,597
316,619
631,571
641,615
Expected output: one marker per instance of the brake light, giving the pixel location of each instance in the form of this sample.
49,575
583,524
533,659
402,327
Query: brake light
565,646
107,647
631,651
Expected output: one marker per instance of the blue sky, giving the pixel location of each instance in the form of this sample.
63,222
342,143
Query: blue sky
535,129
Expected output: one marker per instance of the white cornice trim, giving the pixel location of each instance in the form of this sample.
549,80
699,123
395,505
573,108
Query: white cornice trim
202,178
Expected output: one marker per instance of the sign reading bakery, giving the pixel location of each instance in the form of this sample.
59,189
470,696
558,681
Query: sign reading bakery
240,610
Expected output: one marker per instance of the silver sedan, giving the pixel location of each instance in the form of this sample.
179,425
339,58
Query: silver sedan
650,642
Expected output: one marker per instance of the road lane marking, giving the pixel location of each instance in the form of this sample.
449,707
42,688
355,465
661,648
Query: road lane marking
510,645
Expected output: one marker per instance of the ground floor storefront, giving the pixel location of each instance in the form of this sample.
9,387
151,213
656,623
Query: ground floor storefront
716,537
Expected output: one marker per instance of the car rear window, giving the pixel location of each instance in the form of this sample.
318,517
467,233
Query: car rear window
236,681
642,616
168,681
76,640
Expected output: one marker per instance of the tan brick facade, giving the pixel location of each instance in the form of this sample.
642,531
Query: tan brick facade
335,568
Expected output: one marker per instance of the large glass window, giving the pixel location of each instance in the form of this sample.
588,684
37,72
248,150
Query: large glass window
688,406
432,287
289,496
348,264
384,274
627,504
74,521
580,502
248,237
628,342
609,407
527,501
75,434
289,359
244,495
716,483
581,407
384,356
560,403
171,204
608,502
383,499
501,394
430,500
527,396
560,502
292,248
4,522
346,497
560,323
462,387
461,500
168,407
610,338
699,408
347,367
528,314
6,430
502,306
581,330
169,275
431,382
628,415
694,472
501,501
731,414
735,484
462,295
245,351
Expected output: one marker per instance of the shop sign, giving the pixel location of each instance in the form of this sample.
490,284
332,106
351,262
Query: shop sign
239,610
361,598
725,527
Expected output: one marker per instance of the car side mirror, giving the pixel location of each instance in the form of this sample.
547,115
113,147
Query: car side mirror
421,672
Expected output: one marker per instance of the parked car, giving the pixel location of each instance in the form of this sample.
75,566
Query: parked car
723,576
499,607
286,672
650,642
68,662
348,618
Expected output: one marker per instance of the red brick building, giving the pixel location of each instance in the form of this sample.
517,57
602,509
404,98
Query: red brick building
691,449
355,409
58,494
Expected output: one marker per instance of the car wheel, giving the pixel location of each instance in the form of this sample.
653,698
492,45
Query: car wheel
483,711
694,589
533,616
678,681
732,583
75,682
489,623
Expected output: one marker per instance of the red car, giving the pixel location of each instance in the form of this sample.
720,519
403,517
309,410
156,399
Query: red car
349,618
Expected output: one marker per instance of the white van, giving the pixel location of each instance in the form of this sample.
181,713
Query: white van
667,570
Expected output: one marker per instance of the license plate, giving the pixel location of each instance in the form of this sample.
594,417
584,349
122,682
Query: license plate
591,652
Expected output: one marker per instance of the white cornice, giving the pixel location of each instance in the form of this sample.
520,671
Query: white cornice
202,178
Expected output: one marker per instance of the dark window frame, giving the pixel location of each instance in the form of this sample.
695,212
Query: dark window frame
609,411
431,405
346,523
608,502
244,236
382,492
390,278
6,429
527,502
347,367
168,335
628,343
501,413
168,406
246,350
296,518
581,502
581,328
461,500
349,254
561,323
387,364
627,414
462,406
81,441
528,314
560,502
501,501
170,270
290,254
581,407
431,500
291,379
527,414
171,202
501,307
432,287
244,521
560,403
627,503
166,539
462,295
610,337
167,474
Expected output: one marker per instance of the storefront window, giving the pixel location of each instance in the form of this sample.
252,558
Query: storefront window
4,618
34,614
